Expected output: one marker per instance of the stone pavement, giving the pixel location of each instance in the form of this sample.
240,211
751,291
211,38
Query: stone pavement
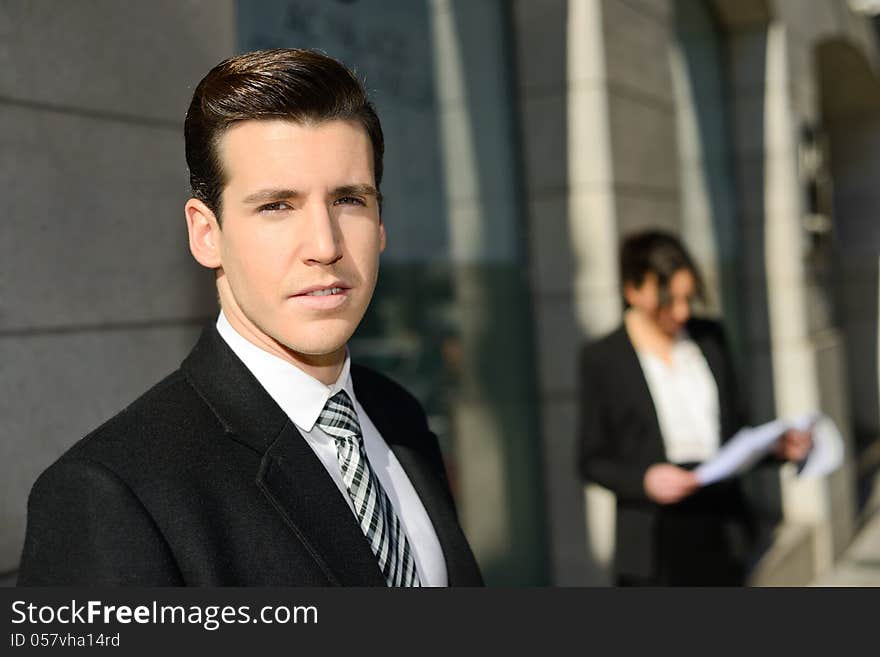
860,563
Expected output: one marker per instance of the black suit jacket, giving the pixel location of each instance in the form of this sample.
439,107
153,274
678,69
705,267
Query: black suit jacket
620,438
205,481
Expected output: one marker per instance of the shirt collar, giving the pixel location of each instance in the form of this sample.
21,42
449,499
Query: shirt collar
300,396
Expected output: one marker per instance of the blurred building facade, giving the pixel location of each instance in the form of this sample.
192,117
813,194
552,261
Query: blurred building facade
523,139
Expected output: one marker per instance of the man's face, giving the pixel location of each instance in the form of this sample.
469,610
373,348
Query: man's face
301,234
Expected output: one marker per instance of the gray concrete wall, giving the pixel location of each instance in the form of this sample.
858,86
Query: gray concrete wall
99,297
709,203
642,114
849,92
796,350
542,92
598,128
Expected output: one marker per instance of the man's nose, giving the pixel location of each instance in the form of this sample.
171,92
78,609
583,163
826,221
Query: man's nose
321,239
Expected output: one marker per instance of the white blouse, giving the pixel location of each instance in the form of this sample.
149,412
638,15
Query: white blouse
686,400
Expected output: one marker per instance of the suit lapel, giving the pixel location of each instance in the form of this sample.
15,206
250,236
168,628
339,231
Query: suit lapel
299,487
290,475
715,359
631,372
456,551
461,568
710,351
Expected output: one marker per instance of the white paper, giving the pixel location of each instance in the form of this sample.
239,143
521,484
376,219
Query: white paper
827,452
750,444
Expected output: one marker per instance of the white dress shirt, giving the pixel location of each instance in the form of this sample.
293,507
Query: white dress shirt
685,397
302,398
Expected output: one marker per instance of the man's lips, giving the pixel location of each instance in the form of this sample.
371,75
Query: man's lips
334,287
322,297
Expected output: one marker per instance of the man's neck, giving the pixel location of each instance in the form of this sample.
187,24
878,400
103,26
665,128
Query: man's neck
326,368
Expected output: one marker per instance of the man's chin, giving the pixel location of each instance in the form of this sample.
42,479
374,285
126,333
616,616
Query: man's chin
310,340
321,348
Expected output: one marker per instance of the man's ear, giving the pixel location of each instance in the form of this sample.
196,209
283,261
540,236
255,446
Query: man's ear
204,234
382,238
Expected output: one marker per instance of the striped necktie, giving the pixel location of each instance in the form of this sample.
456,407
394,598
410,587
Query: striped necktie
375,514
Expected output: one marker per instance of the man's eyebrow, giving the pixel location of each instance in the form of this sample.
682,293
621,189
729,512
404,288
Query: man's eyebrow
358,188
362,189
269,195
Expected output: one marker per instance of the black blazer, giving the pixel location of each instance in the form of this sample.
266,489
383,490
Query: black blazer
620,438
204,481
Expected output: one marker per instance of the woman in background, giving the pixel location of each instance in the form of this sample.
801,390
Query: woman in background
658,397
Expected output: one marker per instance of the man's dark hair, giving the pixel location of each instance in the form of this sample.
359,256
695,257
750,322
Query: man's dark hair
659,253
303,86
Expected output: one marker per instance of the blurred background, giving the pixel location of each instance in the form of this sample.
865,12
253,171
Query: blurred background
524,137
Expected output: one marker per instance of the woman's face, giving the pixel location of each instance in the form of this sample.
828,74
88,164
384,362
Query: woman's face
671,317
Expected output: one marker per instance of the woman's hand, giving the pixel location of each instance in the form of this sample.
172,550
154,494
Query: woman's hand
667,484
794,445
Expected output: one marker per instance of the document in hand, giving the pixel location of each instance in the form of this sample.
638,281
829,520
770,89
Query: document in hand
750,444
827,452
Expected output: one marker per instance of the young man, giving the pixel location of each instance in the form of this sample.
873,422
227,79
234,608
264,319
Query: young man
267,458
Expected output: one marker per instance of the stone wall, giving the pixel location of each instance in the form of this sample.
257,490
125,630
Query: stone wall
99,297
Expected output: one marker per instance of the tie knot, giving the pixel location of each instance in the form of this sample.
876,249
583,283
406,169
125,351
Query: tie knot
339,419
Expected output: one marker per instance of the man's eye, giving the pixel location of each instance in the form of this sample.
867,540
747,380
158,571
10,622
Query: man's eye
277,206
350,200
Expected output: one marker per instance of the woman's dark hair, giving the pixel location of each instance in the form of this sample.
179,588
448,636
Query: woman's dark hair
659,253
303,86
